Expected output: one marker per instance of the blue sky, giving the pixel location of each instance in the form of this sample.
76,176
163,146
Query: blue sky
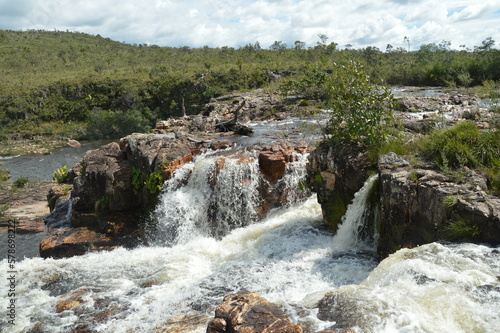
235,23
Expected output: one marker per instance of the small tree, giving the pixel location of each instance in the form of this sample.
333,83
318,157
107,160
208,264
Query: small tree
361,111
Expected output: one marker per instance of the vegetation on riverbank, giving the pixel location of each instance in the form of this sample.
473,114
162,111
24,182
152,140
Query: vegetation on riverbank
73,85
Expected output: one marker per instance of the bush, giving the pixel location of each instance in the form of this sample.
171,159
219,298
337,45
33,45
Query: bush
4,174
462,145
60,175
361,111
113,124
21,182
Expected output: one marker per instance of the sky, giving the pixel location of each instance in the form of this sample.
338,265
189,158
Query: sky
236,23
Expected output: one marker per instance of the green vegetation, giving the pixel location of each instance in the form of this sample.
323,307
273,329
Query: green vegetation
63,84
4,175
450,201
463,145
60,175
152,182
21,182
361,111
461,230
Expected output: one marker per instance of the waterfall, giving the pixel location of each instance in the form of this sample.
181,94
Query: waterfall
286,257
220,191
349,235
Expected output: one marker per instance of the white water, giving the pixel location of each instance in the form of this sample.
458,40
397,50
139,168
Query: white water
348,236
215,194
288,258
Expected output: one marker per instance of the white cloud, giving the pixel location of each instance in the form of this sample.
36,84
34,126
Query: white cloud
239,22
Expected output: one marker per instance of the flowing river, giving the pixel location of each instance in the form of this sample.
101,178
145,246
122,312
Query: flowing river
288,257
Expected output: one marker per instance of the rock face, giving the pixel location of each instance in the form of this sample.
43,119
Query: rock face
336,172
105,206
420,205
114,186
247,312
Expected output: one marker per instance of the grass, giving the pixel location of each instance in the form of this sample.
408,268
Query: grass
462,145
461,230
450,201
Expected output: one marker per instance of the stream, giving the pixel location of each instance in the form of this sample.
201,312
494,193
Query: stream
288,257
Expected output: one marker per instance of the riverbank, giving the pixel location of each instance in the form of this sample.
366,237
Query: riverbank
26,205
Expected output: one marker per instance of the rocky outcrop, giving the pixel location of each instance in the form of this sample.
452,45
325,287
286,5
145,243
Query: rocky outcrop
413,103
336,172
106,202
115,186
248,312
420,205
227,114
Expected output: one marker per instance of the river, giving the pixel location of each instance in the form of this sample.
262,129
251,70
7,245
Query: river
40,167
287,257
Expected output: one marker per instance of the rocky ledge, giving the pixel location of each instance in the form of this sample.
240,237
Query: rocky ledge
116,186
416,203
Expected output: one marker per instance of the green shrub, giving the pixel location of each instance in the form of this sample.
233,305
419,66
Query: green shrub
4,174
112,124
462,145
152,182
60,175
361,111
450,201
461,230
21,182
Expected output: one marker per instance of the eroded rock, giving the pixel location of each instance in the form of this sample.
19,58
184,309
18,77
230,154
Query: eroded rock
248,312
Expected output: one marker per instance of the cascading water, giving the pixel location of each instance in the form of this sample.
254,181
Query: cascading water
287,257
217,193
349,236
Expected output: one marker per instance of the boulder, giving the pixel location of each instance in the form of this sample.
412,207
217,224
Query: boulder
336,171
68,242
248,312
274,159
345,311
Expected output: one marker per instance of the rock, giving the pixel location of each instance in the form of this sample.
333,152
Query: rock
336,172
346,309
57,194
60,216
274,159
71,302
73,143
421,126
248,312
68,242
183,323
418,206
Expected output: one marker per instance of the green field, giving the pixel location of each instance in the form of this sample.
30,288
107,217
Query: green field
58,84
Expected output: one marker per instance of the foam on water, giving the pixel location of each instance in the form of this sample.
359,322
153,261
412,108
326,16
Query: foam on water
289,258
284,258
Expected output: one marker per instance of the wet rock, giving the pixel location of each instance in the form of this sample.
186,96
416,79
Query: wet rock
336,172
274,159
183,323
248,312
68,242
71,302
60,216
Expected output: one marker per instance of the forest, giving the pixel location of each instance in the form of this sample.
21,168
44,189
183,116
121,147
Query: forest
80,86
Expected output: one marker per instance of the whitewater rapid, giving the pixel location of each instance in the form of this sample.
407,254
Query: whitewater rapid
290,258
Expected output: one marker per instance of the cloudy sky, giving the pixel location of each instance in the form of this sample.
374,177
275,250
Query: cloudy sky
235,23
